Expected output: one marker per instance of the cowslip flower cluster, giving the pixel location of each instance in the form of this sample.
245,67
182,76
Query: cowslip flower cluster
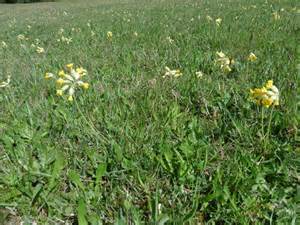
266,96
252,57
172,73
224,62
5,83
69,80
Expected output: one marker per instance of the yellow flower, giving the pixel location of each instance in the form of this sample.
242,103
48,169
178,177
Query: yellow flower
81,71
218,21
199,74
172,73
49,75
60,81
4,45
21,37
266,96
267,102
135,34
85,86
224,62
276,16
252,57
269,84
226,69
70,98
170,40
178,73
61,73
69,80
70,66
40,50
5,83
59,92
109,35
209,18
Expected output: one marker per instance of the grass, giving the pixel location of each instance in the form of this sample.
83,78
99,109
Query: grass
137,148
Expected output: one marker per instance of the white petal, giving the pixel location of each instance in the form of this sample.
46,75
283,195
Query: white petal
65,87
71,91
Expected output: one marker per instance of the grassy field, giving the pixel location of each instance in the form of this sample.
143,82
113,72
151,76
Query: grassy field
139,145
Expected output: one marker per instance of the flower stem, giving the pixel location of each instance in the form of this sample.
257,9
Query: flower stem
269,127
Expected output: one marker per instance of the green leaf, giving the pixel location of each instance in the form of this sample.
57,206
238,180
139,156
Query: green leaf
75,178
81,211
57,168
101,170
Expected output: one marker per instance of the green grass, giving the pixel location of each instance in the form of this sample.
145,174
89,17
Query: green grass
137,148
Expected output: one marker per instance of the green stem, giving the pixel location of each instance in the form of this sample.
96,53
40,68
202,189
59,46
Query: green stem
89,122
262,123
269,126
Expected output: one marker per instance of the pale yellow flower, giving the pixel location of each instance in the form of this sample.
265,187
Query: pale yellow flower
86,86
21,37
224,62
5,83
252,57
199,74
61,31
276,16
70,98
49,75
70,80
60,81
218,21
172,73
170,40
135,34
109,35
81,71
265,96
3,44
59,92
70,66
40,50
66,40
61,73
209,18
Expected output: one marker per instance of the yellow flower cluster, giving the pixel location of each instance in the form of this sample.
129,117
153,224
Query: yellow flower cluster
69,80
172,73
224,62
266,96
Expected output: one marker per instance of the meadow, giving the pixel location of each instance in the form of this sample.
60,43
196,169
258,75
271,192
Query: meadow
150,112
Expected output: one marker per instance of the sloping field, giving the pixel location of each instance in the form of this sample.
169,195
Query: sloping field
150,112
